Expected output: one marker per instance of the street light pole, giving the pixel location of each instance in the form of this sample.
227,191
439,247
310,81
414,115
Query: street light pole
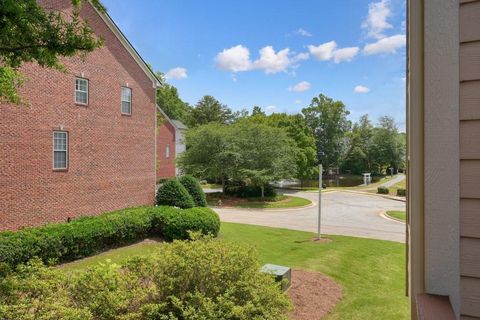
320,200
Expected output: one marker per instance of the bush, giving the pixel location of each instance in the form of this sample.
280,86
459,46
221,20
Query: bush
401,192
195,190
176,224
173,193
249,191
382,190
203,279
89,235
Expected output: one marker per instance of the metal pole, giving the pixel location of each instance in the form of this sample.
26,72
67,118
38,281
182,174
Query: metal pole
319,200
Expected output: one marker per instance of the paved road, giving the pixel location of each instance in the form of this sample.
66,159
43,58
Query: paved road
343,213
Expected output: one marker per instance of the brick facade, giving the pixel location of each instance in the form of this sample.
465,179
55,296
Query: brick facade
111,156
165,137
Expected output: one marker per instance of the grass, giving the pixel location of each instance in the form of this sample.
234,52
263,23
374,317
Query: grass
399,185
371,272
211,186
399,215
277,202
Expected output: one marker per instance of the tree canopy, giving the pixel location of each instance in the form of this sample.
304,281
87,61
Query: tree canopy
31,33
169,100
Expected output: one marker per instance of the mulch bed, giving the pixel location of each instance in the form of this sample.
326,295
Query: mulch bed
313,295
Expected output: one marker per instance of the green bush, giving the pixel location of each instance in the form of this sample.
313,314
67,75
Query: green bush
401,192
382,190
173,193
176,224
194,189
249,191
203,279
86,236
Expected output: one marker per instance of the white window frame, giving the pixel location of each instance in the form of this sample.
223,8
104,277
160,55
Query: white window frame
122,101
167,151
58,150
86,91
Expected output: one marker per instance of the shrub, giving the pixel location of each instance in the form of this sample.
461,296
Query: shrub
194,189
85,236
202,279
175,224
173,193
382,190
249,191
401,192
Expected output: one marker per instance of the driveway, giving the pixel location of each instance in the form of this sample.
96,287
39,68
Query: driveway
343,213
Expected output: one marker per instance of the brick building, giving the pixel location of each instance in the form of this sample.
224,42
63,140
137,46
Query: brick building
169,145
86,142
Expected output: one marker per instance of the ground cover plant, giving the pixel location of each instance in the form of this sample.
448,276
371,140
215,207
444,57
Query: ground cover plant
202,279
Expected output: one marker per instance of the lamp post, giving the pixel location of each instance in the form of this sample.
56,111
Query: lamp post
320,199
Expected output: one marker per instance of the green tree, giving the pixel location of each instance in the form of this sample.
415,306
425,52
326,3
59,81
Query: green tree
388,145
267,153
210,153
170,102
300,134
30,33
258,111
209,109
358,158
327,119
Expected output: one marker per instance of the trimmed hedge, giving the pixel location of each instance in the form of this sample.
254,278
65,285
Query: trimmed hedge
86,236
249,191
173,193
175,224
401,192
382,190
194,189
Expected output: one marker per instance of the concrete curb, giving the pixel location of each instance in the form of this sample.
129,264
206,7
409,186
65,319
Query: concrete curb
386,216
375,195
311,205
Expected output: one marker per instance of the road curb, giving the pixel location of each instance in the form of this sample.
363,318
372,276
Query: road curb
386,216
375,195
311,205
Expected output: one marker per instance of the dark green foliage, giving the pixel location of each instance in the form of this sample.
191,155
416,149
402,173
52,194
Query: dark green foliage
173,193
86,236
194,189
249,191
202,279
382,190
176,224
401,192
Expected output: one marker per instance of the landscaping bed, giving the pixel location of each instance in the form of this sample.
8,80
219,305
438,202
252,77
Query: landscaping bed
217,199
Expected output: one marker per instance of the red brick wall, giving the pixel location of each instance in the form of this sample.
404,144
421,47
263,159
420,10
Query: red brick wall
111,157
165,136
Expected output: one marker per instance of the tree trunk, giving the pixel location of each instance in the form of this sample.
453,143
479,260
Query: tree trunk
223,185
263,191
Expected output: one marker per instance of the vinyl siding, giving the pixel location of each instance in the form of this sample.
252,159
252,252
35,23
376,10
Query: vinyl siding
470,158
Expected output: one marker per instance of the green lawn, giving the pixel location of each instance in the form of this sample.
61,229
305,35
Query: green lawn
400,215
278,202
371,272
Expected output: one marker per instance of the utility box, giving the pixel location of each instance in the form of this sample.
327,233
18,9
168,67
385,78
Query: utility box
280,273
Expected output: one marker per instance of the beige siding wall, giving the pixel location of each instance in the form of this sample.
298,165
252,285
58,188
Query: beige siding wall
470,158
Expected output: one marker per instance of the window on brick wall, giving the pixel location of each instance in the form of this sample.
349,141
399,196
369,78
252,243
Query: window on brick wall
81,91
60,150
126,100
167,151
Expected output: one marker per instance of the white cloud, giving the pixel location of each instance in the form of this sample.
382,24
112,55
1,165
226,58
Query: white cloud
300,87
234,59
237,59
176,73
328,51
271,109
324,51
345,54
386,45
361,89
302,32
376,22
298,101
272,62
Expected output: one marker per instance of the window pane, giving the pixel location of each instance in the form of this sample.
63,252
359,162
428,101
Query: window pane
60,140
81,91
126,107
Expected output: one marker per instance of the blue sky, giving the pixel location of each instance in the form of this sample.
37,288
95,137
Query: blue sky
275,54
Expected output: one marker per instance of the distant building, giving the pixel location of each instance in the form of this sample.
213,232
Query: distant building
169,145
